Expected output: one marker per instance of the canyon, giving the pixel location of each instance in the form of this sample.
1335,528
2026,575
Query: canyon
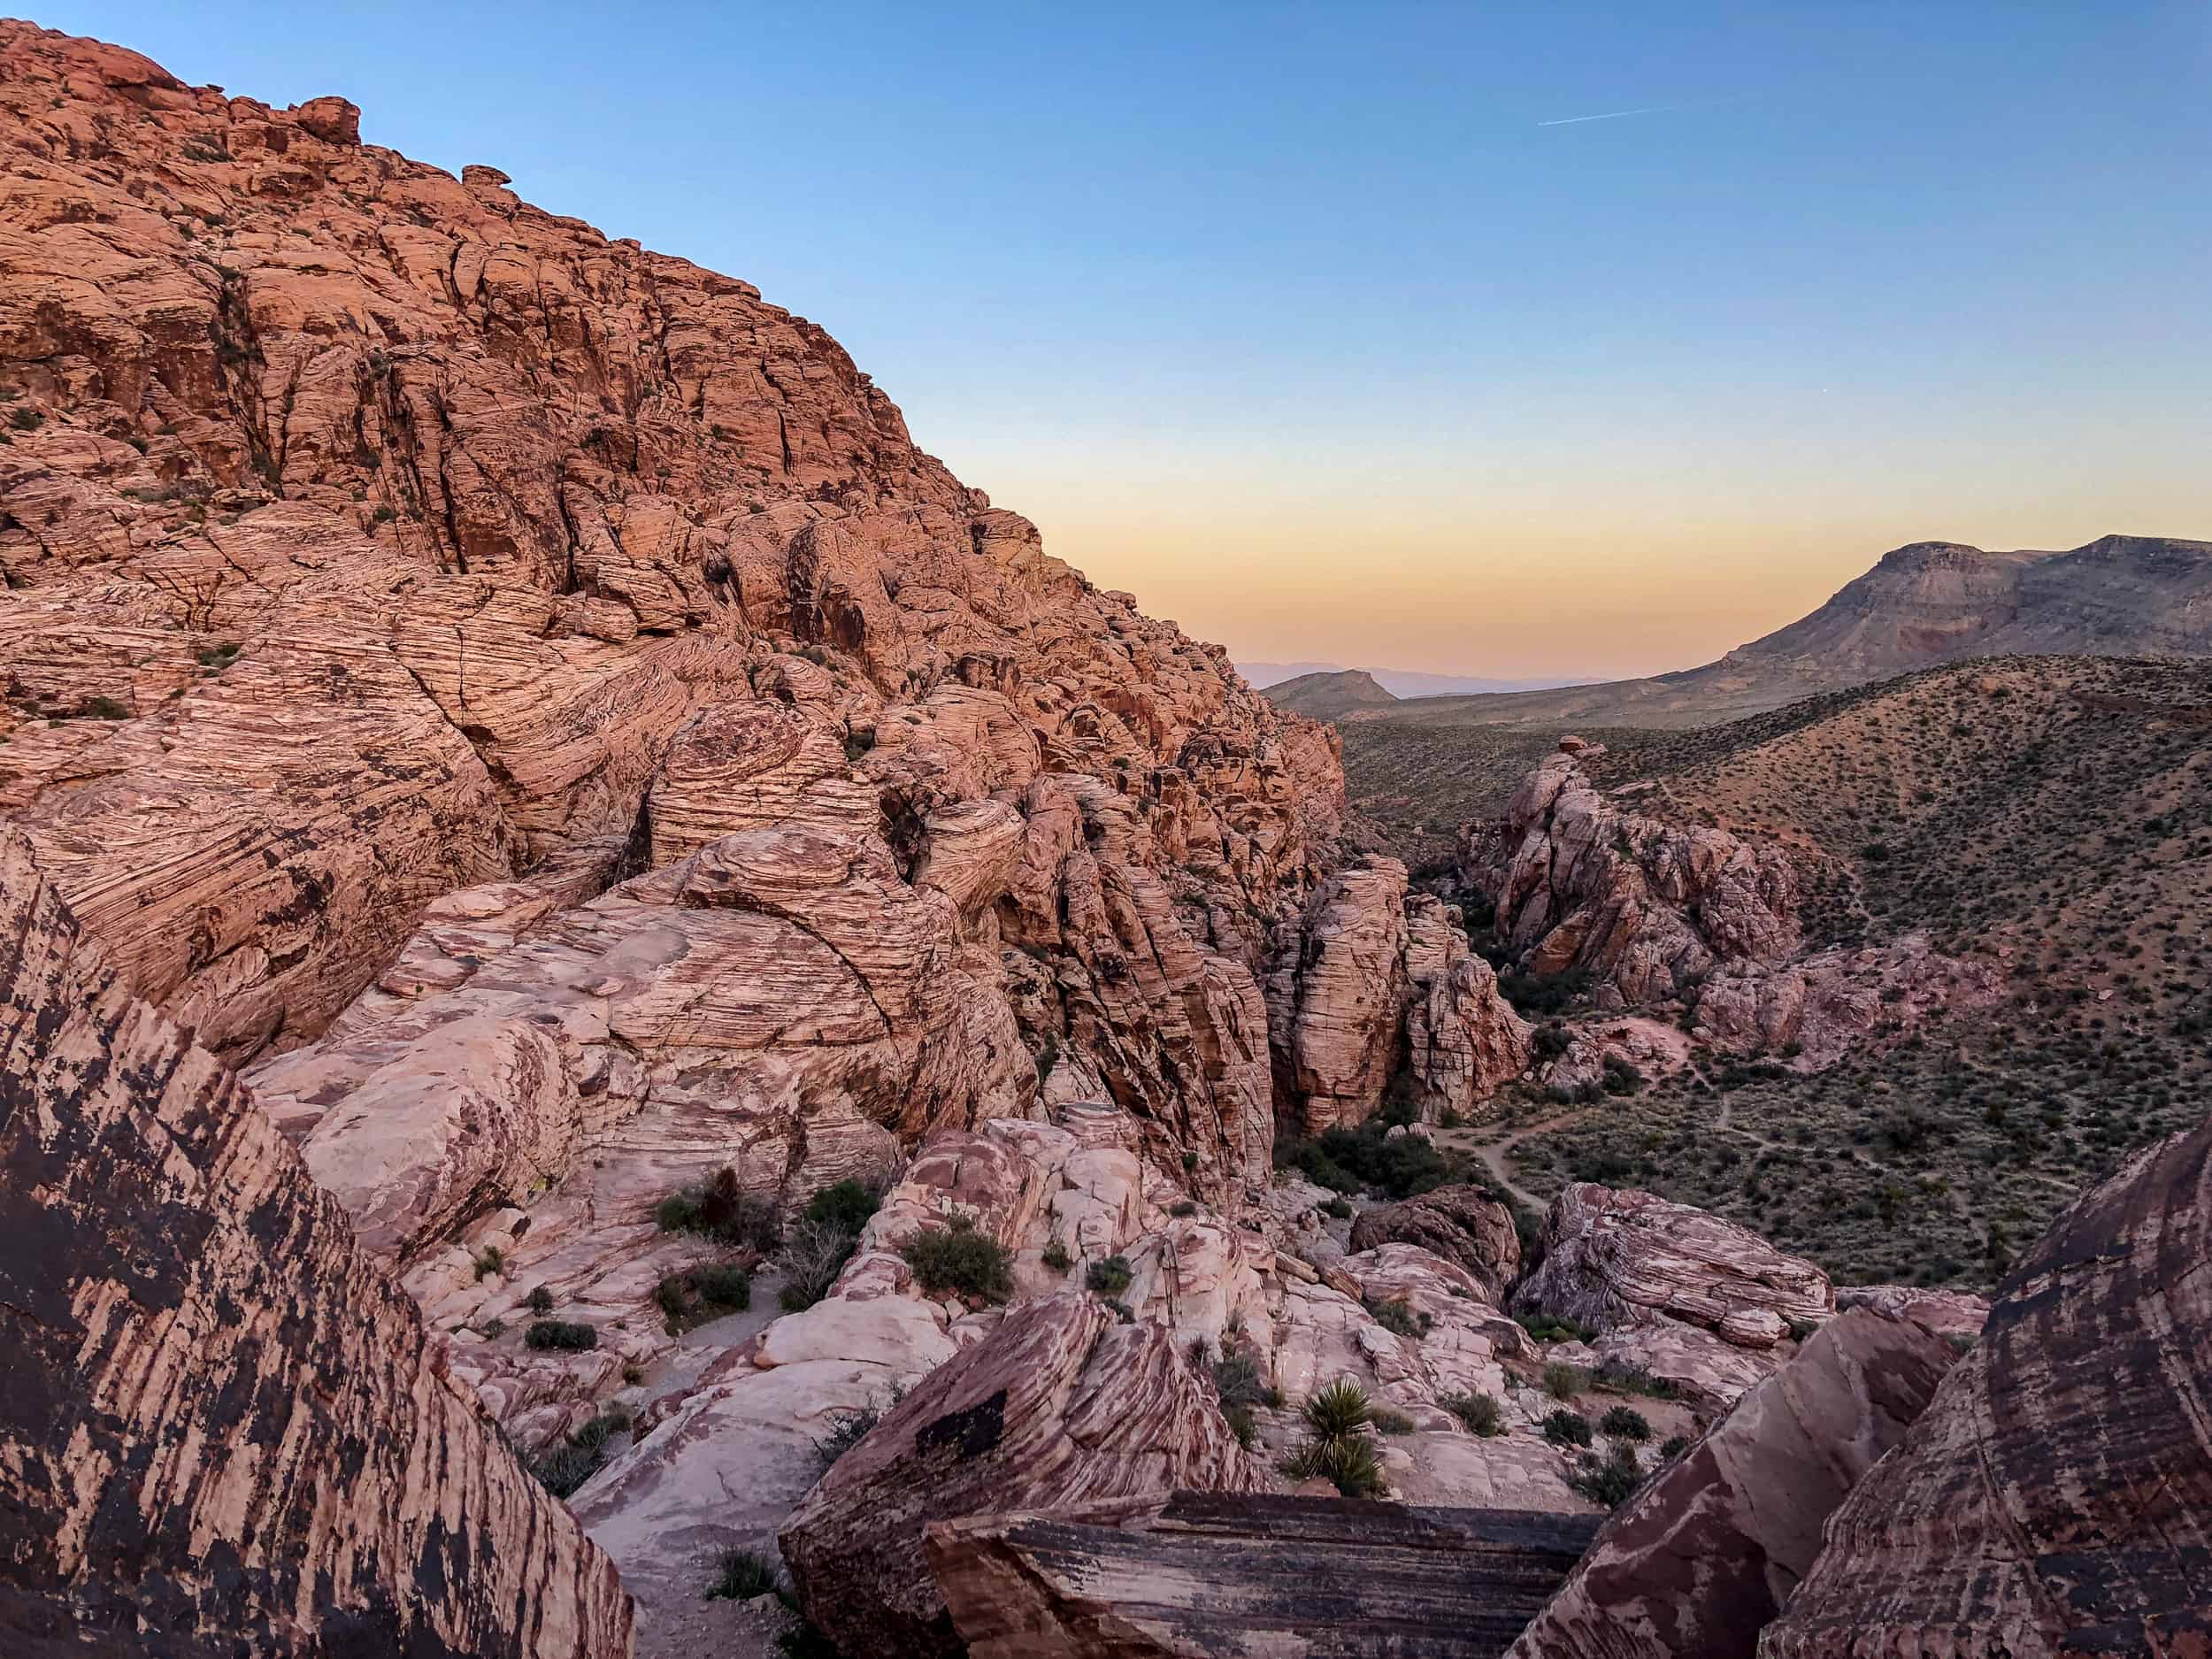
535,824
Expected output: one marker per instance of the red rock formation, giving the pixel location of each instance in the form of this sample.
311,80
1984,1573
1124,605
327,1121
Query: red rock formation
1696,1564
1463,1225
1375,980
228,1429
1583,883
1205,1576
1694,1299
2057,1496
1061,1405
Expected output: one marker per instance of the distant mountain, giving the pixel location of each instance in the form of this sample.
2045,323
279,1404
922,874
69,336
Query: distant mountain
1400,682
1926,604
1326,696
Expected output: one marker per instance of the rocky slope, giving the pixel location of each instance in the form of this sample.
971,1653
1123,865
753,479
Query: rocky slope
228,1431
1911,963
2057,1495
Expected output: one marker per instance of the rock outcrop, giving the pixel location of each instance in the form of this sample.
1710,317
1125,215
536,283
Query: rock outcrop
1584,884
228,1429
1702,1302
1463,1224
1695,1564
1060,1404
2057,1496
1375,988
1206,1576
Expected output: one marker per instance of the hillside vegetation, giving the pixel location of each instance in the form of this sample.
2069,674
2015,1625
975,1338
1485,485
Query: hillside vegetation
2056,811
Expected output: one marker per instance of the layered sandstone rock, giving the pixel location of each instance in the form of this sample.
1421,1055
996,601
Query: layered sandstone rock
1696,1564
1694,1299
228,1429
1376,983
1582,883
1463,1225
1825,1006
1206,1576
2056,1496
1061,1404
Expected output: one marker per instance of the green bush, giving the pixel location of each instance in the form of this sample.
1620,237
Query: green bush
1620,1378
721,1210
1338,1209
1610,1482
1238,1380
540,1301
1563,1381
1365,1158
557,1334
1625,1422
1338,1410
1056,1258
1350,1462
1389,1422
1240,1425
957,1258
703,1294
848,1203
565,1468
1544,1328
489,1262
1563,1427
1397,1316
1109,1277
1483,1414
742,1574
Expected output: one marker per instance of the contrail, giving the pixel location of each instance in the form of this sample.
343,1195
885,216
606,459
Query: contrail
1615,115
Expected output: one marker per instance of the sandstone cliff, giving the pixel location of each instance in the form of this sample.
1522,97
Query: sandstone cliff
227,1430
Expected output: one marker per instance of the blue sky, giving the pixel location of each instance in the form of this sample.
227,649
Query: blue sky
1300,321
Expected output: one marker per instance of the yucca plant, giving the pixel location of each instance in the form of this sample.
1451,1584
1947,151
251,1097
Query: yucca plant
1339,1410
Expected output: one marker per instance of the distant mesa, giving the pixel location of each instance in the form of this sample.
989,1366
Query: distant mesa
1922,604
1329,696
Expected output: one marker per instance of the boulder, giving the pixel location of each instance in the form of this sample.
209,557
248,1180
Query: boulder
1062,1405
1697,1563
1463,1225
1216,1576
2056,1495
1615,1257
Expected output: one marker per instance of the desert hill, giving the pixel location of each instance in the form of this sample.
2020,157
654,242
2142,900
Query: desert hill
1929,602
1329,696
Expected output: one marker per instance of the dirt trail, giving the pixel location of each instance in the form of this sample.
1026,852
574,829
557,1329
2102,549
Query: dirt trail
1493,1153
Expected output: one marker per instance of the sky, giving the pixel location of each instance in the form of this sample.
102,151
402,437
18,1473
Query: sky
1351,333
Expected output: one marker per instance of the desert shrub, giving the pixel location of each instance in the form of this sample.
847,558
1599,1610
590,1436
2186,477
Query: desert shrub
703,1293
1482,1414
959,1259
1238,1380
1183,1207
560,1334
847,1430
1337,1208
1389,1422
489,1261
1621,1076
1674,1446
1350,1462
719,1210
1563,1381
1625,1422
1338,1410
1534,996
742,1574
1552,1039
1056,1258
1397,1316
540,1301
1240,1425
813,1257
1109,1277
1610,1482
848,1203
1621,1378
1563,1427
1545,1328
576,1460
